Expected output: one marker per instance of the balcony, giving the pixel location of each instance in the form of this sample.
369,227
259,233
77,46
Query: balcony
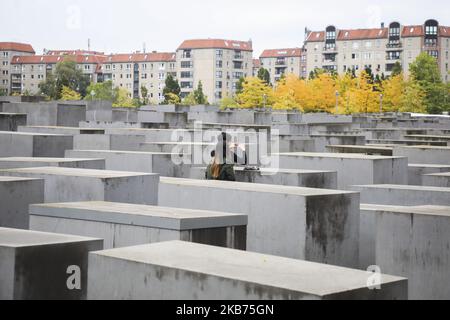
394,45
330,49
393,58
431,46
238,57
280,63
186,56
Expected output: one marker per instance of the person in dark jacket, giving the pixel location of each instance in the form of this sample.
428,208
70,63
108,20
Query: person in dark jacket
224,160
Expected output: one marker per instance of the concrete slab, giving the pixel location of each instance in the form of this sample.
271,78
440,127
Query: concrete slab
36,265
16,194
122,225
313,224
368,150
19,144
416,172
424,154
437,179
321,141
412,242
29,162
146,162
403,195
12,121
61,130
351,168
69,184
187,271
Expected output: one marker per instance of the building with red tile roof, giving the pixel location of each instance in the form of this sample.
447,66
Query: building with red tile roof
283,61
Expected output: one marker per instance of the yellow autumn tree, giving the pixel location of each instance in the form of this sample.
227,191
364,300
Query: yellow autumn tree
320,94
255,94
287,93
345,85
122,99
68,94
393,93
363,98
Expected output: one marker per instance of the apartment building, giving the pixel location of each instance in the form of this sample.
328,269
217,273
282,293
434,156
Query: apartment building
217,63
7,51
137,70
378,48
256,67
283,61
28,71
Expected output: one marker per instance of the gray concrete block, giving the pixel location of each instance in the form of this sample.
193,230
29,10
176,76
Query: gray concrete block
437,180
188,271
403,195
28,162
12,121
312,224
18,144
122,225
413,242
424,154
35,265
351,168
69,185
146,162
321,141
16,194
108,142
416,172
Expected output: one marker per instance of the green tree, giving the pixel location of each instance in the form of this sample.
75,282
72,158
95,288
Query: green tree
397,69
264,75
172,88
425,71
199,96
240,85
101,91
144,94
189,100
228,103
66,74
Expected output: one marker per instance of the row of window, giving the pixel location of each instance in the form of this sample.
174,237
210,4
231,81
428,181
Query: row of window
144,66
369,44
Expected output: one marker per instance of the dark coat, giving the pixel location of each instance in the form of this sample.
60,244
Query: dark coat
226,173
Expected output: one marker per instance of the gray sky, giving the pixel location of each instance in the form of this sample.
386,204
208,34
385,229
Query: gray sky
123,26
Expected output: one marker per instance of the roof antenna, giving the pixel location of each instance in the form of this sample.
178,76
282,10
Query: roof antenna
144,48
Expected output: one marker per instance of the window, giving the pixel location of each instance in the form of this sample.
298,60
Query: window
144,76
114,67
219,54
219,64
5,54
219,74
187,54
218,84
218,95
431,30
186,64
5,63
186,74
87,67
161,76
128,66
144,66
186,85
162,66
368,44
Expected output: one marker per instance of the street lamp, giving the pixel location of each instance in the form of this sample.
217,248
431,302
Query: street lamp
381,103
265,100
337,102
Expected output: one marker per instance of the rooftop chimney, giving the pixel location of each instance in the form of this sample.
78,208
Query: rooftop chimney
382,25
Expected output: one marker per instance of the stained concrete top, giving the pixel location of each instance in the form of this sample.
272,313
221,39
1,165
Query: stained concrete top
420,210
123,152
362,147
34,134
75,172
423,147
276,272
289,171
402,187
140,215
12,114
337,155
47,160
16,238
418,165
13,179
439,174
252,187
428,136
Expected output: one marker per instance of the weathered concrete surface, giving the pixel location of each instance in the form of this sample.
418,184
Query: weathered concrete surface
404,195
406,142
108,142
424,154
368,150
416,172
321,141
34,265
312,224
413,242
19,144
61,130
188,271
123,225
146,162
69,185
288,143
282,177
352,169
49,113
29,162
99,110
437,180
16,194
12,121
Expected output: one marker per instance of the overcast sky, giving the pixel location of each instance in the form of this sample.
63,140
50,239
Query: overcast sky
123,26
